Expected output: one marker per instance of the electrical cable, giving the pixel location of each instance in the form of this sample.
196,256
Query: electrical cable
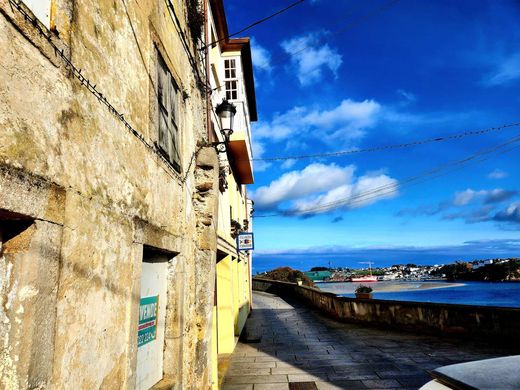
184,40
391,188
393,146
348,26
322,40
92,88
366,196
255,23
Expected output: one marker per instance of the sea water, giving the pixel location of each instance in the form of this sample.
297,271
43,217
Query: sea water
505,294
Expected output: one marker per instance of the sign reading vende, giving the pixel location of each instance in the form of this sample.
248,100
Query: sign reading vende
147,331
245,241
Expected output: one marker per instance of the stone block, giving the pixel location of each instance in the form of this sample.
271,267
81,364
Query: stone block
256,379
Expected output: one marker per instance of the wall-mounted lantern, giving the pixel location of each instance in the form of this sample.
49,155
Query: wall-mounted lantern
252,210
226,113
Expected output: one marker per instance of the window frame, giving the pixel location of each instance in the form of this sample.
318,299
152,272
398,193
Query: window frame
168,114
231,78
42,10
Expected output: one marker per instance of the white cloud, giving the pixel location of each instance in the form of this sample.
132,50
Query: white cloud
310,57
345,122
495,195
258,152
296,184
506,70
261,57
497,174
486,199
320,184
288,164
409,97
462,198
510,214
364,191
354,114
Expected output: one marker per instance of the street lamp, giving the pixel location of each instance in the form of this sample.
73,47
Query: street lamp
226,113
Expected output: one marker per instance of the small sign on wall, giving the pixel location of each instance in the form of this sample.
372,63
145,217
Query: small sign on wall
147,331
245,241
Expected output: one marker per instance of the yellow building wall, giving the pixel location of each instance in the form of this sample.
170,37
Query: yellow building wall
225,306
243,302
214,351
236,300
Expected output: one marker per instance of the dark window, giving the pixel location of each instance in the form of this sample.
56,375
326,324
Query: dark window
231,90
168,104
230,69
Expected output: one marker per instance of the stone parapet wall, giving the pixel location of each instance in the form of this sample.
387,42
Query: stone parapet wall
501,324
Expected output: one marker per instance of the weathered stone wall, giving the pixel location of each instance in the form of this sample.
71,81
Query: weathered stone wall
502,324
94,195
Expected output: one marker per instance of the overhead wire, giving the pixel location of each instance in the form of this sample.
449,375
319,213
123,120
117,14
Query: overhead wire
390,188
255,23
387,189
379,193
91,87
323,39
349,25
186,46
461,135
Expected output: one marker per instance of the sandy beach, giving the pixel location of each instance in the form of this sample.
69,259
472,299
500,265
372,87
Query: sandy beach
386,286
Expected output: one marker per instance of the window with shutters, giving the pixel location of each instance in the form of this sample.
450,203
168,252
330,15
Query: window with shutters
168,111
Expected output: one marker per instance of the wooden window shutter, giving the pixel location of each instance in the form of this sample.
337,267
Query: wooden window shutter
168,113
162,100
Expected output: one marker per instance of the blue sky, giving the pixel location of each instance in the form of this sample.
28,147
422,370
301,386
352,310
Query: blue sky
329,78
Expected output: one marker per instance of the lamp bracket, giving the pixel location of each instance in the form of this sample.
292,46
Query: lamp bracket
220,147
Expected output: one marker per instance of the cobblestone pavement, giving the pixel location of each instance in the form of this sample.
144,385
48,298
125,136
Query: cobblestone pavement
300,345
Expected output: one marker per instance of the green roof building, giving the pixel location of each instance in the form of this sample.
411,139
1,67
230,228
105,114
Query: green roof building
317,276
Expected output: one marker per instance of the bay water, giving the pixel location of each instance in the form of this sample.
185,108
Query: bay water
504,294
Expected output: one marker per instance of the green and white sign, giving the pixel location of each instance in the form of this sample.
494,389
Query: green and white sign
147,331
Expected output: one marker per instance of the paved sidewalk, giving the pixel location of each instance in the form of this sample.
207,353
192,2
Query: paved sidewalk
300,345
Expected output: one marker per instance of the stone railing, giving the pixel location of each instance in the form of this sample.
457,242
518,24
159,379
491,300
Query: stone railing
499,323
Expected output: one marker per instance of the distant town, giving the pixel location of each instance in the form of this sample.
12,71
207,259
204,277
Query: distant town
493,270
499,269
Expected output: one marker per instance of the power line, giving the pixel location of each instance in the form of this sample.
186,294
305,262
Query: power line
433,174
388,189
91,87
256,23
184,40
351,24
394,146
322,40
415,180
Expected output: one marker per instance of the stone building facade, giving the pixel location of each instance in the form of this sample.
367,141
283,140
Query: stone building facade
109,194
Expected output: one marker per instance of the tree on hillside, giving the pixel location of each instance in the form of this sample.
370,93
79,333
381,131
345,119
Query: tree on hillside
287,274
509,270
459,271
315,269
